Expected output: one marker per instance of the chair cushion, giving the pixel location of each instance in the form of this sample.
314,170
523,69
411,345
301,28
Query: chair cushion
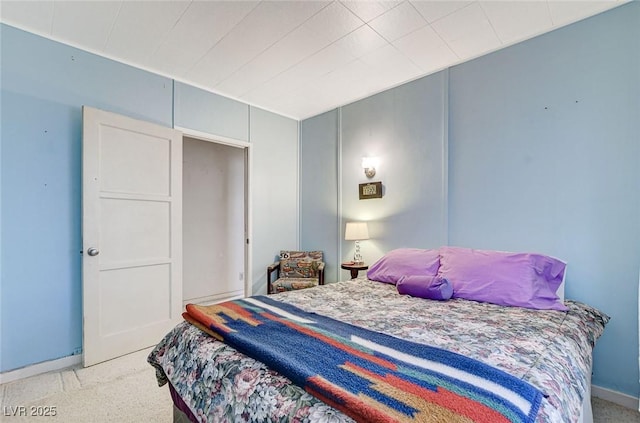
300,264
292,284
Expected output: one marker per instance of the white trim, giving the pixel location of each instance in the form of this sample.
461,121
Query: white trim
444,187
339,193
248,244
218,139
40,368
298,191
215,299
615,397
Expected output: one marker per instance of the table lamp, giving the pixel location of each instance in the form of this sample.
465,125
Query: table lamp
356,231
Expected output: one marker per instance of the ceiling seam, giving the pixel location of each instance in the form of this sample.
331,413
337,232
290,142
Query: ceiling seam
53,17
430,24
113,25
270,46
166,35
484,12
195,64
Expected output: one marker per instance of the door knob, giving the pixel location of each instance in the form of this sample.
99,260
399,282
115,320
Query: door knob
93,252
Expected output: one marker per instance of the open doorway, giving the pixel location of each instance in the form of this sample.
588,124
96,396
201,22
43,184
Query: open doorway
214,220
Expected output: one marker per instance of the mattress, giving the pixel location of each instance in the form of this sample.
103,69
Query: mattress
551,350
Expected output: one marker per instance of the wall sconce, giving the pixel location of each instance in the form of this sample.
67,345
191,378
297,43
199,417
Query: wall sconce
356,231
369,165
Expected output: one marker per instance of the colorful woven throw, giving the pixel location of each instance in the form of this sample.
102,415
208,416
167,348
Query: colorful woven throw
369,376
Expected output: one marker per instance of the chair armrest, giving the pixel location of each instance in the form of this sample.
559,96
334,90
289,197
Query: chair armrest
270,269
321,274
273,266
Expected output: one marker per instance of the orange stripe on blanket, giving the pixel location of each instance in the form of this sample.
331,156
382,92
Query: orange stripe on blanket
186,316
348,403
366,356
401,389
201,316
214,315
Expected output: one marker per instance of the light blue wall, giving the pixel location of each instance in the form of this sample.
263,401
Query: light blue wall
210,113
545,156
542,145
319,222
405,128
44,85
274,183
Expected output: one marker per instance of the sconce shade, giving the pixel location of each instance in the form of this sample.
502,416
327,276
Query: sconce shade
369,165
356,231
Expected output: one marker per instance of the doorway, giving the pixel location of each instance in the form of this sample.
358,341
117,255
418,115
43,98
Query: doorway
213,221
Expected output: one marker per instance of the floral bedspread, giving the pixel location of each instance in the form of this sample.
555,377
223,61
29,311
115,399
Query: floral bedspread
549,349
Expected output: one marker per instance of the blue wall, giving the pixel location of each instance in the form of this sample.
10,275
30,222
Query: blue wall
274,184
319,199
210,113
540,151
44,86
544,155
405,129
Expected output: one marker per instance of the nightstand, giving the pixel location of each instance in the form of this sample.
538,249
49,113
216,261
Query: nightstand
354,268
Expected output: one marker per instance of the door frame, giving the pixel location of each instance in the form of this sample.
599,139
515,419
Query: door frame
246,146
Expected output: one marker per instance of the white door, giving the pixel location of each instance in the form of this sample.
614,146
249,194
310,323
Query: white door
131,228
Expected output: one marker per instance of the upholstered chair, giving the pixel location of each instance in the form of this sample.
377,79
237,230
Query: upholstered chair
296,270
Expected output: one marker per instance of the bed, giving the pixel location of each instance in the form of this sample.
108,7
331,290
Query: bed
548,349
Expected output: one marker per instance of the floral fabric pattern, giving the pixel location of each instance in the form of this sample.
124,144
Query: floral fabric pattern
549,349
291,284
300,264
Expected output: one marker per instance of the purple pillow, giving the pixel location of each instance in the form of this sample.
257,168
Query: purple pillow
509,279
425,286
551,269
404,261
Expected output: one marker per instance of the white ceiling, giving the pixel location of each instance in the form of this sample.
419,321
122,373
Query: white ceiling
296,58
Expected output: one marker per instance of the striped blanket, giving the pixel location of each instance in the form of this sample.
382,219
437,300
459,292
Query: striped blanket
369,376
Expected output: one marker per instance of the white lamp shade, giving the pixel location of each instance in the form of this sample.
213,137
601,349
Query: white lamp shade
356,231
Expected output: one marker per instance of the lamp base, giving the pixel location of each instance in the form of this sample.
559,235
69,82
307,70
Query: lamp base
357,257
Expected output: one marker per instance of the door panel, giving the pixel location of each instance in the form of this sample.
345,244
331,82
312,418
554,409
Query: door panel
134,163
153,286
132,216
134,230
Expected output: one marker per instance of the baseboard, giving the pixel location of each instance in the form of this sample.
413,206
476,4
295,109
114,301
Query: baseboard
40,368
615,397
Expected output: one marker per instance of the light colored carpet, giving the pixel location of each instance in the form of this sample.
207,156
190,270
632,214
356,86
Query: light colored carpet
120,390
125,390
607,412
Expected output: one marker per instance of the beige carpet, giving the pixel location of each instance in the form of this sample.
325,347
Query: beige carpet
121,390
125,390
607,412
